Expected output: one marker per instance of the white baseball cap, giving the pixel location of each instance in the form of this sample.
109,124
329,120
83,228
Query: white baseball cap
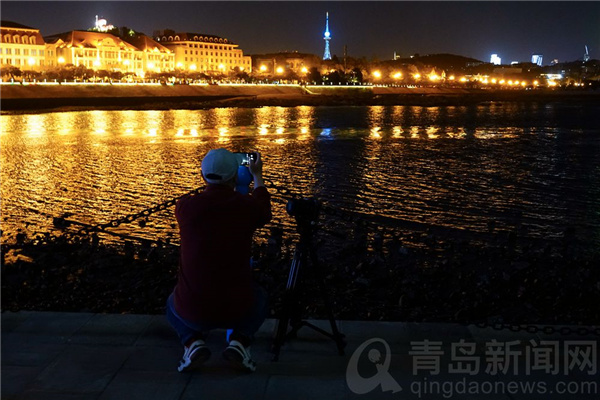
220,165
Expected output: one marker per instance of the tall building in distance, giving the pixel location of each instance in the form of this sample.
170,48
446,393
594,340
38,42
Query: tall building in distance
586,56
494,59
537,59
327,38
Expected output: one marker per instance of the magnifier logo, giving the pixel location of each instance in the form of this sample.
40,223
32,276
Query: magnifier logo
361,385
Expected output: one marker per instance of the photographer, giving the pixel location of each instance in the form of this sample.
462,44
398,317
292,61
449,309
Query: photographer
215,288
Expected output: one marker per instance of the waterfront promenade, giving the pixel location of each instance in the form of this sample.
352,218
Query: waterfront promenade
48,355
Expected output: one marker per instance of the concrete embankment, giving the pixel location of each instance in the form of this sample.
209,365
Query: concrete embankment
22,97
18,97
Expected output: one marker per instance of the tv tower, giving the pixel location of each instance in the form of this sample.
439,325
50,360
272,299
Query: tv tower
327,38
586,56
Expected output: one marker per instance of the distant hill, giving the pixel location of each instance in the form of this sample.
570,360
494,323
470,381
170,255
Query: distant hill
443,61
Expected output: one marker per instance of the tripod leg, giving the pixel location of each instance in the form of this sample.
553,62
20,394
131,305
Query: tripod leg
280,333
335,333
288,312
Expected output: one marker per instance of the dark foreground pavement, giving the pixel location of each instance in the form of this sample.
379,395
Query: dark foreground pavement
48,355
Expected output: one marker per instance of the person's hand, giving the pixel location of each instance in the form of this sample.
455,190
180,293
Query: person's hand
256,166
256,170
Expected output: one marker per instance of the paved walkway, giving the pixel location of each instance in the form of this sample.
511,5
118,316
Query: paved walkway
47,355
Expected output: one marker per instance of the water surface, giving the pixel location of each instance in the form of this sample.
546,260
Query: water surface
532,167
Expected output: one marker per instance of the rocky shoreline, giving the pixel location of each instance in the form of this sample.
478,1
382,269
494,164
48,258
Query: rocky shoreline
415,276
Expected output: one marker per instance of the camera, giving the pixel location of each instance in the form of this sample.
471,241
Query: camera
304,209
245,158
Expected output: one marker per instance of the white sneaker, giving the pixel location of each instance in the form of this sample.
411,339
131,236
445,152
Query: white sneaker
193,356
239,356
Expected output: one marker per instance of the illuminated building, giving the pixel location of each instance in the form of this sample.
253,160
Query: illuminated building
327,38
155,56
99,51
537,59
102,25
22,47
298,63
204,53
494,59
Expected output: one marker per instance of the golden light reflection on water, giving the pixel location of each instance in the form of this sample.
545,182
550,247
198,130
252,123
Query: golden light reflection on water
35,125
375,132
263,129
457,133
414,132
376,116
103,164
432,132
65,123
305,116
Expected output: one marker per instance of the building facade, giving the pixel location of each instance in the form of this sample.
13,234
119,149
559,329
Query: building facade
204,53
104,51
23,47
298,63
155,56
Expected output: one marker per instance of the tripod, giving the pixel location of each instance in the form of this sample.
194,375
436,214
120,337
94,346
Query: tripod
304,265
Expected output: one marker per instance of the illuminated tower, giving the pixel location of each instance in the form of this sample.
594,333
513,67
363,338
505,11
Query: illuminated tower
586,56
327,38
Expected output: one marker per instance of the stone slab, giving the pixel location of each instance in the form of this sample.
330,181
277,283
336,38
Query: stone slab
53,327
111,329
11,320
82,369
146,385
225,384
158,333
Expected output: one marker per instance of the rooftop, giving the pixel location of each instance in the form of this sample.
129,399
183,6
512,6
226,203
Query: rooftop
10,24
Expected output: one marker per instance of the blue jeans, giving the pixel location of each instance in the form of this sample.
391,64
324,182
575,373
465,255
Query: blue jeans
246,327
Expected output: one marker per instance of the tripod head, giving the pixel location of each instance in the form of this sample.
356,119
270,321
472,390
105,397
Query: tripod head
306,212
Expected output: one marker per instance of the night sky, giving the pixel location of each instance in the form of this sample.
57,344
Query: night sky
513,30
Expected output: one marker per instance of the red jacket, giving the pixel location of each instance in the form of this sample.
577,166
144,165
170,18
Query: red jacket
216,227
